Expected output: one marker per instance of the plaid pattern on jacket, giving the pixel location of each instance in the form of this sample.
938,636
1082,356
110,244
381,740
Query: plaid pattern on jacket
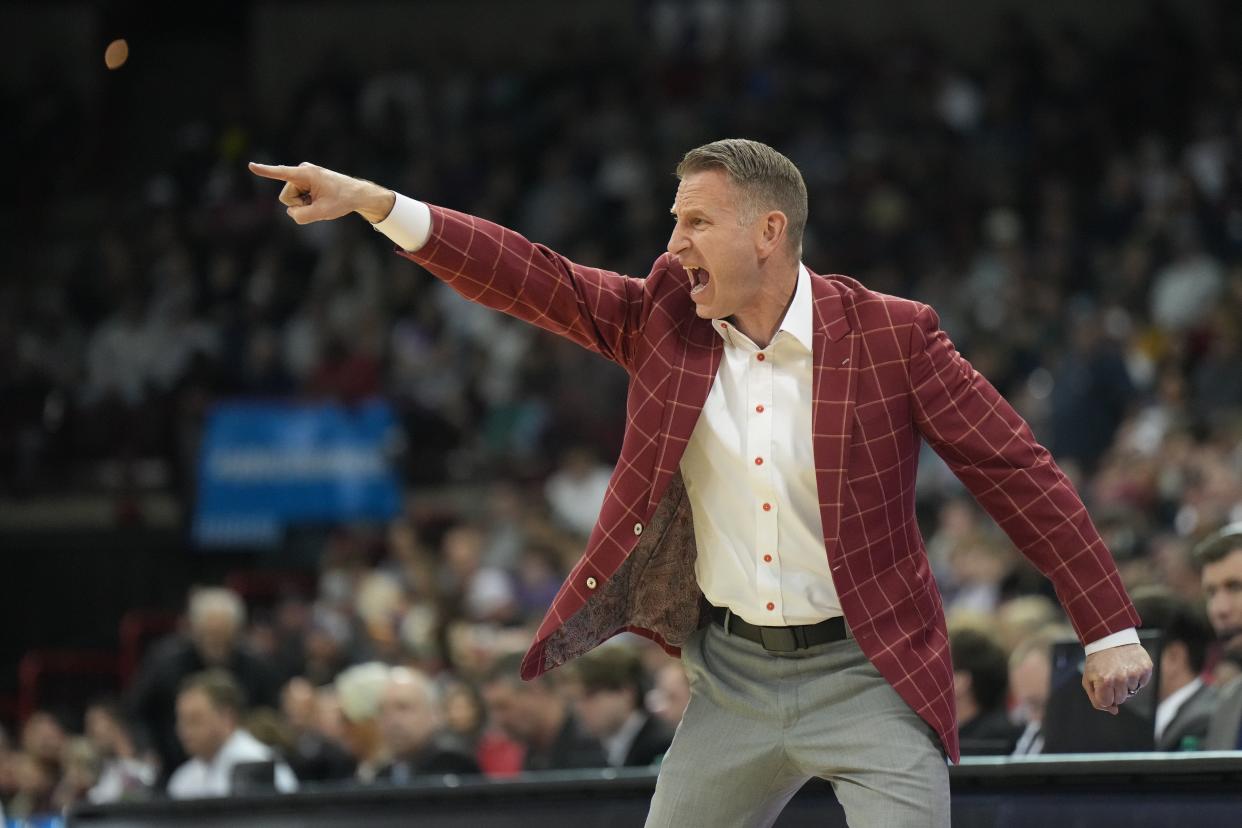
885,378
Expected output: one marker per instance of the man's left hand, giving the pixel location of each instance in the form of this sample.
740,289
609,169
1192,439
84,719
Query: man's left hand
1112,676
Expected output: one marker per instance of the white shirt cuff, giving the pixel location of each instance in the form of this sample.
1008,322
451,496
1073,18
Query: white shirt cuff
1117,639
408,224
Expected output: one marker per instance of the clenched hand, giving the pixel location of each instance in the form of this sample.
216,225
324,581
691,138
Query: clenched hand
1112,676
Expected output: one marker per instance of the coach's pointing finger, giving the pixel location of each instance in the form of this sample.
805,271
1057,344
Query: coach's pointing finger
313,193
277,171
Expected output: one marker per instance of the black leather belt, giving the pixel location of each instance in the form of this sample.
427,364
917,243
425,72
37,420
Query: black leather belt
782,639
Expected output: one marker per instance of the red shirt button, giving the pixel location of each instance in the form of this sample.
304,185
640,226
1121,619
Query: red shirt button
771,606
767,559
767,507
759,408
760,357
758,461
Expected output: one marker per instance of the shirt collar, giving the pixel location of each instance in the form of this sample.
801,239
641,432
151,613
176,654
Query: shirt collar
617,745
797,319
1179,697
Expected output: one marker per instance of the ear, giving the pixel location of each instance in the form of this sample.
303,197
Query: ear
771,232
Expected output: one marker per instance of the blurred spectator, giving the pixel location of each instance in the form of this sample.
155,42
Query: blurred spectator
82,768
978,565
536,714
415,739
216,622
124,773
980,684
329,720
1174,567
606,685
381,604
359,690
279,637
671,694
209,710
1019,618
539,578
1030,682
34,784
1220,560
43,739
326,645
1185,703
464,716
313,756
1184,291
1091,395
575,491
1219,557
474,590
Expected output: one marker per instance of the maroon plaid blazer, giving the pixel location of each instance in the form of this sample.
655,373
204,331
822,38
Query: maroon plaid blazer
885,376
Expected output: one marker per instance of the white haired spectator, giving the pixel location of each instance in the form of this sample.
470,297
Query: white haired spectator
359,690
217,619
412,724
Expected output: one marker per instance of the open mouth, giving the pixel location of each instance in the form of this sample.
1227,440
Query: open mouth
698,279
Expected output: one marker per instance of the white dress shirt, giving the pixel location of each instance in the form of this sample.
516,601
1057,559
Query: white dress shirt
197,778
751,448
1031,742
749,471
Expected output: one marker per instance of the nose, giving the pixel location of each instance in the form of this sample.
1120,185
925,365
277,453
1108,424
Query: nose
1219,610
677,242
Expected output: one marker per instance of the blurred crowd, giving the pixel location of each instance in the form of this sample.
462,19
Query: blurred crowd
1073,211
242,704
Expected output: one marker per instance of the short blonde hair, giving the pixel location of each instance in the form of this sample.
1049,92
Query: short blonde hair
768,179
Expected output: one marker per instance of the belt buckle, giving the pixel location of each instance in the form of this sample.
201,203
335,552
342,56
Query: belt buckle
778,639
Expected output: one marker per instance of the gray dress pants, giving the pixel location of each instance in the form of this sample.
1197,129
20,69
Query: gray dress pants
760,724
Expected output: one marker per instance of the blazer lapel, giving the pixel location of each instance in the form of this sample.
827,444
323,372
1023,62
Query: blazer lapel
835,350
689,384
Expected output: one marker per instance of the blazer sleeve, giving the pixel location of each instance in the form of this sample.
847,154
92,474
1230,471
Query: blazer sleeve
499,268
992,451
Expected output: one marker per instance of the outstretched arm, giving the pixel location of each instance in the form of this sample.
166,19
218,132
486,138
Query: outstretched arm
484,262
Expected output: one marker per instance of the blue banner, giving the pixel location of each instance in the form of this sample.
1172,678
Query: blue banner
266,466
36,821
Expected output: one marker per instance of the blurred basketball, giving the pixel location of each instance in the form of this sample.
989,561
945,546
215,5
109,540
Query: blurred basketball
116,54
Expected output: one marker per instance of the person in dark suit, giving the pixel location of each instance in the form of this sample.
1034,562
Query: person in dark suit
1186,702
1219,557
537,716
412,726
217,618
312,755
981,680
608,691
